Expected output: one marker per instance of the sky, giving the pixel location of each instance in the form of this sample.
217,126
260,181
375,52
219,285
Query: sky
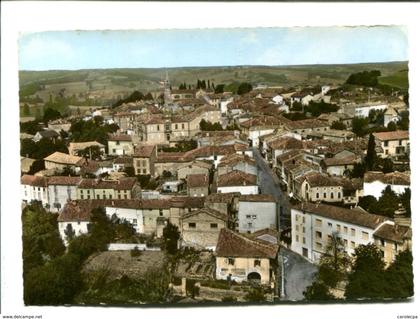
71,50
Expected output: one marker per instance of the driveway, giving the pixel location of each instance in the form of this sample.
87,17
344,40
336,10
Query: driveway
299,274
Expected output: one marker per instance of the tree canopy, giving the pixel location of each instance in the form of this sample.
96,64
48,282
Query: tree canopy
364,78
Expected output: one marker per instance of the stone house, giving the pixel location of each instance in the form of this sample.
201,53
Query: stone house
339,166
257,212
241,258
237,162
144,158
392,239
120,145
394,144
197,185
201,228
58,161
196,167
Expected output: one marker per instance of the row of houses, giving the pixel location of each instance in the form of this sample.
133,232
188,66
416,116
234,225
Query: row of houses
199,219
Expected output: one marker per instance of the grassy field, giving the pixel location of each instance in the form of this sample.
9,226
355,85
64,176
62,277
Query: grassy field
398,79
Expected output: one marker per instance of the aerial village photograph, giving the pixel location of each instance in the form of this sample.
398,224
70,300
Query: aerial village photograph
215,166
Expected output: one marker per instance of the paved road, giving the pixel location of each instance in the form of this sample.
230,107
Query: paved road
270,184
299,274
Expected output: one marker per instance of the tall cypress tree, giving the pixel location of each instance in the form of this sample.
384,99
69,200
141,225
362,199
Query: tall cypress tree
370,158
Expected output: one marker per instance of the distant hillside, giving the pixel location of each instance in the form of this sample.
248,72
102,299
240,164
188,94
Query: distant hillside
114,83
398,79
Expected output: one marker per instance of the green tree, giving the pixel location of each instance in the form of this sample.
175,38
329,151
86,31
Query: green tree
171,236
367,276
399,276
40,237
371,157
219,88
54,283
358,170
255,295
392,126
405,199
359,126
51,114
387,203
244,87
318,291
364,78
337,125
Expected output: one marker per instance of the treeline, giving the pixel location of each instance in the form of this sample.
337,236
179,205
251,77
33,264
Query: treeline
364,275
134,97
364,78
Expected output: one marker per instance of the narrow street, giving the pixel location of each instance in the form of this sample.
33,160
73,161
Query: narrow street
298,272
270,184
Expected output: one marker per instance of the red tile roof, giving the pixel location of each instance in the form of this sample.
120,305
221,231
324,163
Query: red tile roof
231,244
351,216
33,180
236,178
394,135
197,180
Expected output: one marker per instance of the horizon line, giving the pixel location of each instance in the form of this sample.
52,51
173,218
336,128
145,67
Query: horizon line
216,66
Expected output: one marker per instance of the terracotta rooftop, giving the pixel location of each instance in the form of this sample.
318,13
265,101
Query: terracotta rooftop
306,124
231,244
236,178
396,233
233,159
264,121
221,197
120,138
170,157
197,180
393,178
393,135
63,180
316,179
211,150
123,160
257,198
351,216
126,183
33,180
187,202
144,151
208,211
285,142
66,159
348,160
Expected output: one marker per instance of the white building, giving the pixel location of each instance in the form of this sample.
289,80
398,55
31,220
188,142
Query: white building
313,226
61,189
363,111
256,212
374,183
238,181
34,188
